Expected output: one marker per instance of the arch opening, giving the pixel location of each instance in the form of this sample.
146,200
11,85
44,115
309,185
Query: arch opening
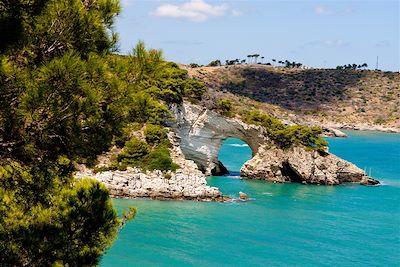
233,153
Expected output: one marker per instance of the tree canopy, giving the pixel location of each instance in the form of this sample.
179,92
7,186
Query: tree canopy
66,97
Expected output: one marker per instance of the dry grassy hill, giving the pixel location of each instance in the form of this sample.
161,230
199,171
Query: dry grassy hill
361,98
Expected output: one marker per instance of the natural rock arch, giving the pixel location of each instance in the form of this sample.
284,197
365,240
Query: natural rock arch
196,136
202,133
235,153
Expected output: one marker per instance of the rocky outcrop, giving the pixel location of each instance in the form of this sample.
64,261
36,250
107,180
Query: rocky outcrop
243,196
188,182
196,136
202,131
134,183
302,165
333,132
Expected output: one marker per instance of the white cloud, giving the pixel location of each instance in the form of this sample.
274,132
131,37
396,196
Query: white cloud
236,12
323,10
193,10
325,43
327,11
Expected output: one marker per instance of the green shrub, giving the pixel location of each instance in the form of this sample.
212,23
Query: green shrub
126,132
379,121
137,153
225,107
286,136
194,90
255,117
299,134
133,150
160,159
194,65
215,63
122,166
146,109
101,169
154,134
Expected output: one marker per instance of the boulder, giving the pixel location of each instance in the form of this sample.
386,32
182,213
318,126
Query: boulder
302,165
243,196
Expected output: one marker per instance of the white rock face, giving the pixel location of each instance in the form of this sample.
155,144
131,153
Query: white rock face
301,165
202,132
196,137
133,183
186,183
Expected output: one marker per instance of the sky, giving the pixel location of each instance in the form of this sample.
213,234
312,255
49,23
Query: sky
316,33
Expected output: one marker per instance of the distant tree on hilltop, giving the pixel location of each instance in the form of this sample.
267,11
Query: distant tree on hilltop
214,63
352,66
194,65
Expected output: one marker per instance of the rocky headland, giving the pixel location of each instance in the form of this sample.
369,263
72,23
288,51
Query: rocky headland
196,135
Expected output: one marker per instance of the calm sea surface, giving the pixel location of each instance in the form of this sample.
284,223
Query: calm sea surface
284,224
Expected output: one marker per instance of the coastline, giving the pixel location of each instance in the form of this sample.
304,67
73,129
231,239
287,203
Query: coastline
358,127
196,137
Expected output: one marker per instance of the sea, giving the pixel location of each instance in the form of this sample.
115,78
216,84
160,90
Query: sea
282,224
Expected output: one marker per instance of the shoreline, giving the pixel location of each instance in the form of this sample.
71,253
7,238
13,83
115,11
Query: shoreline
370,129
220,199
359,127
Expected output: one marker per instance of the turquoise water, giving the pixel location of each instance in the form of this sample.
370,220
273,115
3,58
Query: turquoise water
284,224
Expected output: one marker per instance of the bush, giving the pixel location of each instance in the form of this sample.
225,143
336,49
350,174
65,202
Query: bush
125,133
269,122
194,90
286,136
137,153
146,109
194,65
215,63
160,159
133,150
154,134
225,107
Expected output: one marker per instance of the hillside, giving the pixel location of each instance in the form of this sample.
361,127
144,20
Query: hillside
361,98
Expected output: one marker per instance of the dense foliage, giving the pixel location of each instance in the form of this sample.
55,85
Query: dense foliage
36,30
286,135
65,98
225,107
138,153
154,134
49,218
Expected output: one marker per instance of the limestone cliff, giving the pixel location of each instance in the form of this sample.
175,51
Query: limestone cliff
186,183
196,135
301,165
202,132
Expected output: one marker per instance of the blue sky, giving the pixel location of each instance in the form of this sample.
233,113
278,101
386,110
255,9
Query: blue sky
315,33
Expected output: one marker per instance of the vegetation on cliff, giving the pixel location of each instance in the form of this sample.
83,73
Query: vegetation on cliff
65,98
286,136
322,96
